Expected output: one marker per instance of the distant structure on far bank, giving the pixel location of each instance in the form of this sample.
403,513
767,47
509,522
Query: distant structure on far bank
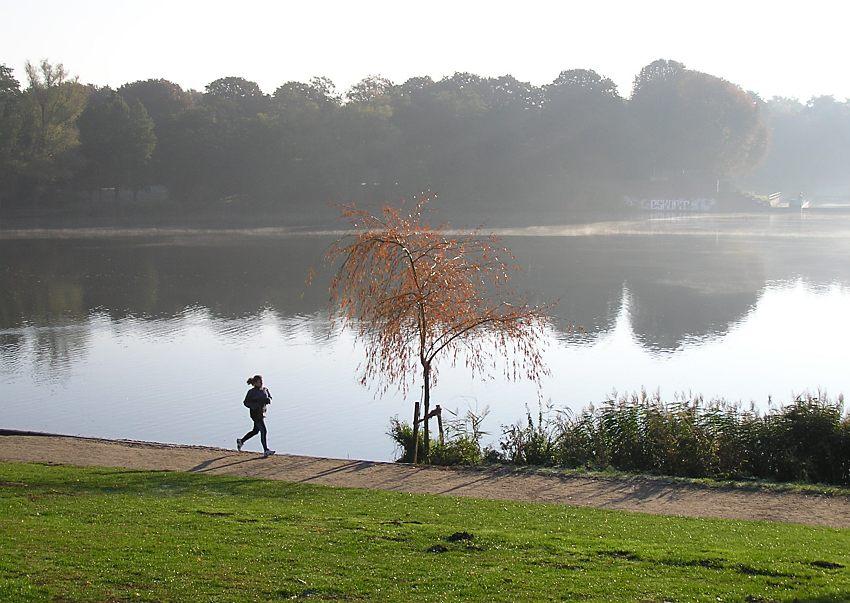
701,204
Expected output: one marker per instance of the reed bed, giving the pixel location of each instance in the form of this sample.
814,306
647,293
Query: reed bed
806,440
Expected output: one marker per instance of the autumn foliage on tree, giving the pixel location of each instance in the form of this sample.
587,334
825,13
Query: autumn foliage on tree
416,293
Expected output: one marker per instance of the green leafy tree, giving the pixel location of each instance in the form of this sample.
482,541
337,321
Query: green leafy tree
208,156
163,100
236,97
10,129
294,99
810,147
693,122
371,89
49,136
192,155
117,139
579,140
304,146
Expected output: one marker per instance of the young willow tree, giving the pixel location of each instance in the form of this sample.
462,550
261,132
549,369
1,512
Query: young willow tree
414,293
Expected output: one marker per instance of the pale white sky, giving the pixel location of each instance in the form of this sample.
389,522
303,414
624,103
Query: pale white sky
774,48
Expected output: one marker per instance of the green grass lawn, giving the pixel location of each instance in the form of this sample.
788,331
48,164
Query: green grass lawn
101,534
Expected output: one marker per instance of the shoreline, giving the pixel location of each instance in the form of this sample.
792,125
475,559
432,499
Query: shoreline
645,495
632,224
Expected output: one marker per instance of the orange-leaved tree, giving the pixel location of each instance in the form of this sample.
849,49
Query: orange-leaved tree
415,293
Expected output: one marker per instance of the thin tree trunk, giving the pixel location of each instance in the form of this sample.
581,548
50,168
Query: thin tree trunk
426,373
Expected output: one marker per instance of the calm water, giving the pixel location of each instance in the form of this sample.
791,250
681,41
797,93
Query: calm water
151,336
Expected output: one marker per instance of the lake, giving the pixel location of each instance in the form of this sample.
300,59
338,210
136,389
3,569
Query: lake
151,335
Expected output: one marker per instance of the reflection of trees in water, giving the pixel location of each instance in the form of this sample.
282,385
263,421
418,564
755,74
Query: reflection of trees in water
11,352
48,281
52,350
694,287
58,348
679,287
575,272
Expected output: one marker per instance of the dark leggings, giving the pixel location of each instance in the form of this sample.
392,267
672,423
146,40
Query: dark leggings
259,427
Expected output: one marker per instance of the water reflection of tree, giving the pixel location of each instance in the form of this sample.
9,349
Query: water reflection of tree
11,352
51,282
692,289
679,287
56,349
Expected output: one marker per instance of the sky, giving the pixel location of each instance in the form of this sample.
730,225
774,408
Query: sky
773,48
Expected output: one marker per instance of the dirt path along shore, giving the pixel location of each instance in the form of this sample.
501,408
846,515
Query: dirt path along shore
646,495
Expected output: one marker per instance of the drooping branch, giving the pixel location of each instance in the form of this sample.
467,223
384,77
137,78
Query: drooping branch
401,281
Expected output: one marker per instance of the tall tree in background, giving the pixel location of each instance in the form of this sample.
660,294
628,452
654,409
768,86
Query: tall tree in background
293,98
163,100
502,165
692,122
368,139
50,132
117,139
11,121
238,112
192,157
373,89
304,155
810,147
236,96
415,294
579,136
442,123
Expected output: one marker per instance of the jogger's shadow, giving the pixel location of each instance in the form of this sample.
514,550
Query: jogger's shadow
205,466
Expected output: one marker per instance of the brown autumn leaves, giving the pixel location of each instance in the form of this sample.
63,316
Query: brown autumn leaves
414,294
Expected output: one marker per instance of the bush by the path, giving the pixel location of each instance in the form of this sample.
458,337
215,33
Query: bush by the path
459,449
807,440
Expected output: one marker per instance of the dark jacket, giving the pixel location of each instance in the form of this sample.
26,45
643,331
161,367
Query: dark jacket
256,399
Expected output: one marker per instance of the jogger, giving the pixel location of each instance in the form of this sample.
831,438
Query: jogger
257,398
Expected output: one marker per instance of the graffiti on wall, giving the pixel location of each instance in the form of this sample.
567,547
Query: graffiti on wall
701,204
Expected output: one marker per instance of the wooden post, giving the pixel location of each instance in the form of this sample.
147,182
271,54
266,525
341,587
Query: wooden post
439,412
416,432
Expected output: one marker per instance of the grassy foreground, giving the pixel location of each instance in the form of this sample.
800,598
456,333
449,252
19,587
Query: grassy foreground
103,534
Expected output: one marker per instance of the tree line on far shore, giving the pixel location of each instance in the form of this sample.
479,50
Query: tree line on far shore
483,143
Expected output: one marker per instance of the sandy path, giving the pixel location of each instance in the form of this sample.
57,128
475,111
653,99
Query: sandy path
636,494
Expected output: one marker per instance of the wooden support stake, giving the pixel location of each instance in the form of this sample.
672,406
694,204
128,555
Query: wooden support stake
439,412
416,422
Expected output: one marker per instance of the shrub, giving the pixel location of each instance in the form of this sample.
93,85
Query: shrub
462,442
530,444
808,440
402,434
457,451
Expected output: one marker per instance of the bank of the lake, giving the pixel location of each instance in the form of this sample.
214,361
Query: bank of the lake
804,504
94,534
